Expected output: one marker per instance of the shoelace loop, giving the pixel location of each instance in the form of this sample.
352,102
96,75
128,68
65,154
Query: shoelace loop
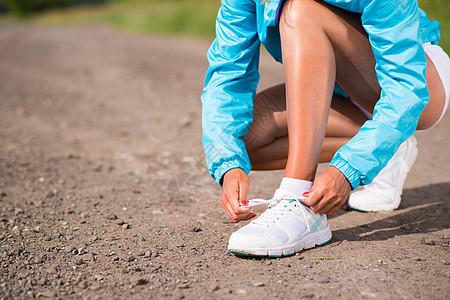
274,201
274,211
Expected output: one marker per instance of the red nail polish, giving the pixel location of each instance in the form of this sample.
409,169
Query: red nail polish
305,194
243,202
252,216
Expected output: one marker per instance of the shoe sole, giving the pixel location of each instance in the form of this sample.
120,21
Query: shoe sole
410,158
312,240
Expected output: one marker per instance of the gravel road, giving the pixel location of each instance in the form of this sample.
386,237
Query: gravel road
104,192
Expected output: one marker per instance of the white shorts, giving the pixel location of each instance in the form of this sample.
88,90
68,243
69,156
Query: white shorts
441,62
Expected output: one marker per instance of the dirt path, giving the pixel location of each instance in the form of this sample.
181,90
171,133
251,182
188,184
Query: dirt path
95,126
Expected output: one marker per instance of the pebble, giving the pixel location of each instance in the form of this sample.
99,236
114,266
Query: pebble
120,222
125,226
259,284
39,258
82,251
70,249
51,270
57,234
428,242
214,287
88,256
138,280
41,281
183,286
111,217
196,229
16,230
95,286
98,277
45,295
185,122
79,261
325,280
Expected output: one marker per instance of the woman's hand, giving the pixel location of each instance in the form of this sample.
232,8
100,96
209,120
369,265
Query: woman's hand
329,192
234,195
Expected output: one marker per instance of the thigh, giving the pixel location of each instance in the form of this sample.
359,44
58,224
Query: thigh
433,110
355,64
270,118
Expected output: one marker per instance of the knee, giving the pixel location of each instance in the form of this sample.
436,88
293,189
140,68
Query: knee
255,140
297,14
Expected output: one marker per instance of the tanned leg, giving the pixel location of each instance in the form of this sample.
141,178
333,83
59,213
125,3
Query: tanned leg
320,43
267,140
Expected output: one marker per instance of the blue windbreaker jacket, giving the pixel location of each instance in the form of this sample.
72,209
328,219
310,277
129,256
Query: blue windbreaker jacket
396,30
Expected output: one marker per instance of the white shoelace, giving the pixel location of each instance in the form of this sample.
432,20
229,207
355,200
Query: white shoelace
274,211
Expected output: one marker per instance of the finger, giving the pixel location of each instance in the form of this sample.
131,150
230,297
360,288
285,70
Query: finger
333,210
323,204
250,216
325,209
313,197
331,205
243,213
243,190
229,194
338,204
318,202
234,211
228,210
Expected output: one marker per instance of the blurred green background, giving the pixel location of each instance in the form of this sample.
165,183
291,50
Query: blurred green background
168,17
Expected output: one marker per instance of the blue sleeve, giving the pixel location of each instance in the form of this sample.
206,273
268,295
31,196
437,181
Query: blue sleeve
394,34
230,87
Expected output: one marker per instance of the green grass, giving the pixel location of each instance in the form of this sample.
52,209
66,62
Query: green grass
181,17
439,10
168,17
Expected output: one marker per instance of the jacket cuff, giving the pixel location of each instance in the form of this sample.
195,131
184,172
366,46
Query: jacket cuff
228,165
349,172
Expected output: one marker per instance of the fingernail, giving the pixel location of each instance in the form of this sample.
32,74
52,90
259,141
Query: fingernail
305,194
243,202
252,216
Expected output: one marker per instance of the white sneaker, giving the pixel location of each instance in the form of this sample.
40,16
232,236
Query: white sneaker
286,227
384,193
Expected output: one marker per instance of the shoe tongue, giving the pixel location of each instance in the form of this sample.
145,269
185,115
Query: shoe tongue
283,194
